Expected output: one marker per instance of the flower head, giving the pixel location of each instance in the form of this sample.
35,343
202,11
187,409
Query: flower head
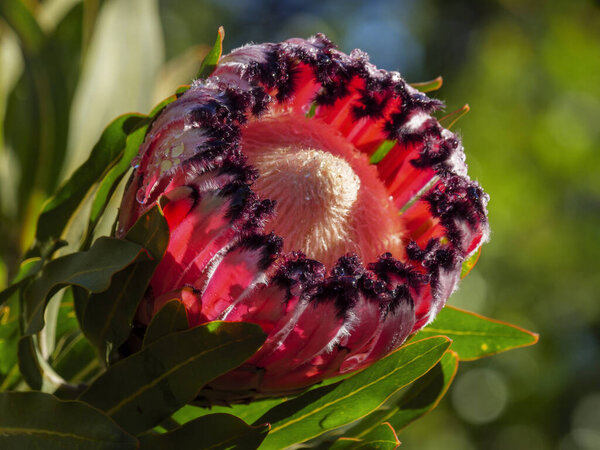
313,194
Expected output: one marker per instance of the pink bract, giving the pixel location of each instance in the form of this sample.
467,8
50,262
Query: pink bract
313,194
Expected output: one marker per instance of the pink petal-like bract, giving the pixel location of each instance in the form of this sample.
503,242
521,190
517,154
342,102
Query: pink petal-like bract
313,194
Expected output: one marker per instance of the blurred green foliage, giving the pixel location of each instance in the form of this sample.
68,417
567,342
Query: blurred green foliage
529,70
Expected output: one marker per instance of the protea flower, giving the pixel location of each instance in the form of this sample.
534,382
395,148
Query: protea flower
313,194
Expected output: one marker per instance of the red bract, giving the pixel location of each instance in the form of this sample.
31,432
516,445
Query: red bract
313,194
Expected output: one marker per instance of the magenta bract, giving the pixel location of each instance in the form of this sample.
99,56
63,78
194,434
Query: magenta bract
313,194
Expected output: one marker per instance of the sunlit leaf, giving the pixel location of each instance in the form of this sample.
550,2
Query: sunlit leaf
381,437
109,183
382,151
31,420
474,336
469,263
92,269
214,431
413,402
59,209
428,86
449,120
212,58
336,405
142,390
170,318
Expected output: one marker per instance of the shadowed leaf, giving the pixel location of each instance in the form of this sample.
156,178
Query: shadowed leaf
92,269
142,390
31,420
170,318
108,315
214,431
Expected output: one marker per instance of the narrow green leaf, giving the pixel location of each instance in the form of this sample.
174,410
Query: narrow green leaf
142,390
381,151
27,270
413,402
109,183
428,86
474,336
31,420
214,431
247,412
381,437
210,61
336,405
469,263
170,318
73,360
92,269
59,209
162,105
108,316
425,394
23,23
28,363
449,120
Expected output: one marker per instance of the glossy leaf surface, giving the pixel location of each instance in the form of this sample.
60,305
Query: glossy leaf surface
212,58
147,387
336,405
474,336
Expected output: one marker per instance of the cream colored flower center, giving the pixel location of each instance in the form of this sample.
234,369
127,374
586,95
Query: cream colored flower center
329,200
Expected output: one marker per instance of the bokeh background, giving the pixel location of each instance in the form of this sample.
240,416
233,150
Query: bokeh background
529,69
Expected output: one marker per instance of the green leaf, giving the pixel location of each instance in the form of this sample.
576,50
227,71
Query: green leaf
77,361
382,437
425,394
210,61
248,413
214,431
108,316
474,336
469,263
330,407
428,86
449,120
92,269
170,318
109,183
31,420
381,151
28,363
27,270
142,390
59,209
414,401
